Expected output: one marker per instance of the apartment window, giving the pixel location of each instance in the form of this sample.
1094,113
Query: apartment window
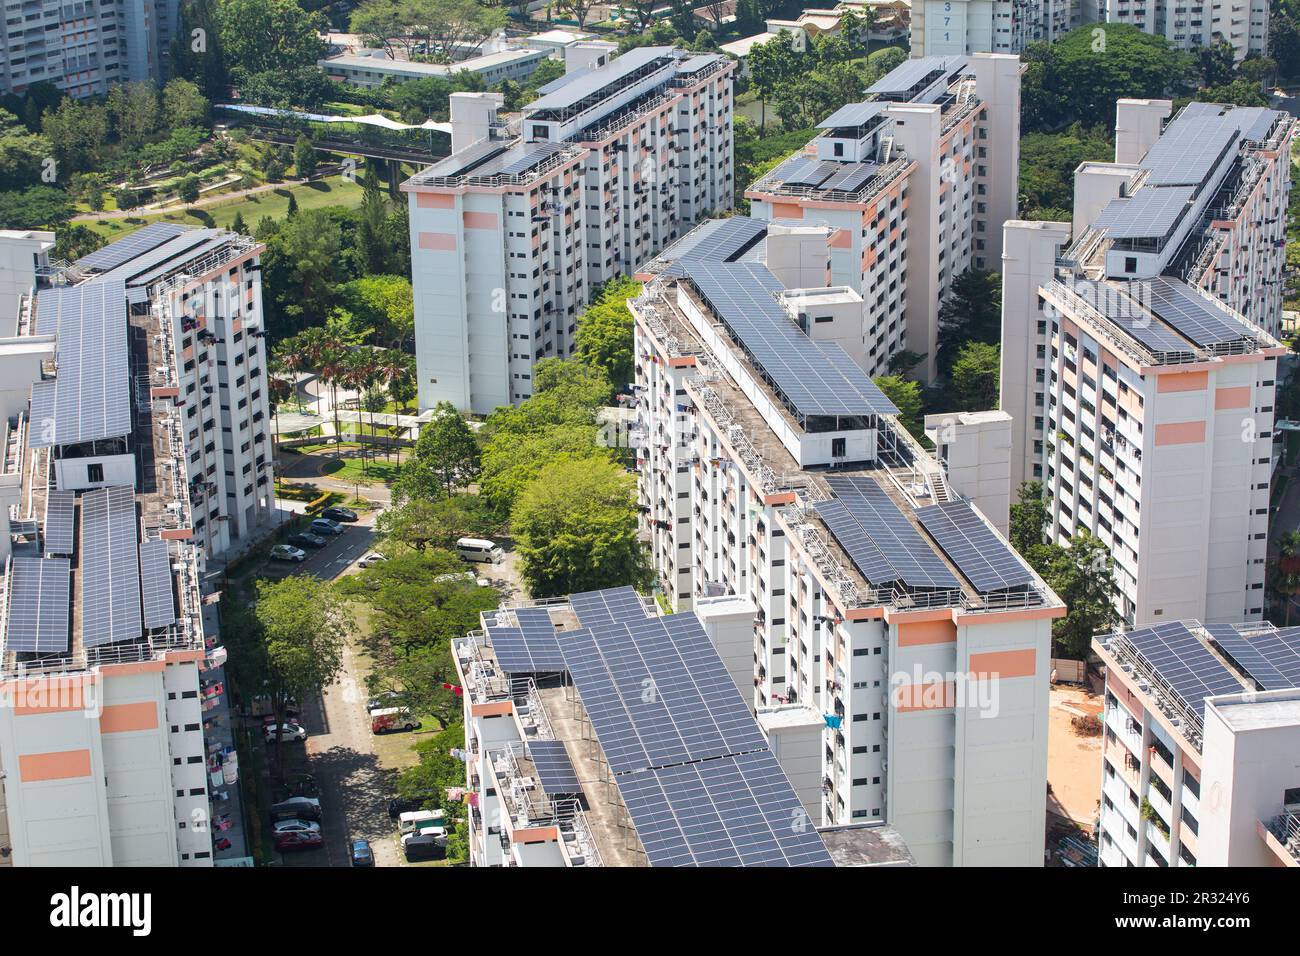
94,473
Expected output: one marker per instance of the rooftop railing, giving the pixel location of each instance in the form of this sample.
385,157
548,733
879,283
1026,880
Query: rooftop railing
554,161
878,183
1157,688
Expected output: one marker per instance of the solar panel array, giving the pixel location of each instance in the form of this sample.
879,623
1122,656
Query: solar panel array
60,512
974,547
1150,213
904,77
1184,663
530,648
597,79
1270,657
38,605
1130,317
724,240
812,377
596,608
522,158
739,810
851,177
1187,151
1203,321
124,250
157,585
554,768
89,398
852,115
878,538
110,567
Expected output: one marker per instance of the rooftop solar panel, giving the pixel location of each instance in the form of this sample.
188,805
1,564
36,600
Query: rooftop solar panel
182,245
604,706
89,399
887,542
1191,672
1128,315
1198,317
1150,213
554,768
60,508
812,174
905,77
614,604
813,378
530,648
853,178
124,250
977,550
38,605
852,115
110,567
157,583
596,80
1189,150
1271,657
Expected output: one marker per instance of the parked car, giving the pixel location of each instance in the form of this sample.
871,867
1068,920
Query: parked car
325,526
289,732
297,826
296,808
478,549
306,539
426,845
298,840
399,805
339,513
362,855
392,718
374,557
418,821
287,552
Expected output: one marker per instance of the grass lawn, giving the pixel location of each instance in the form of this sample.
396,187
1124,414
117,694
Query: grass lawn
354,469
330,191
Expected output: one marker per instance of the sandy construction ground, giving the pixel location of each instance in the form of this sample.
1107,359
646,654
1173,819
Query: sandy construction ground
1073,760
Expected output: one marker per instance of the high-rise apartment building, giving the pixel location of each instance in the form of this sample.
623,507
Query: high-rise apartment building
956,27
893,639
1202,730
513,231
86,46
1138,363
1189,24
916,181
139,449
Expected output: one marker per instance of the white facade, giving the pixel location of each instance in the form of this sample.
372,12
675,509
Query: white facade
1195,23
946,27
974,449
510,235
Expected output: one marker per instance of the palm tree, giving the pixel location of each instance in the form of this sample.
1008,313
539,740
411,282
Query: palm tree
310,346
332,365
398,368
359,372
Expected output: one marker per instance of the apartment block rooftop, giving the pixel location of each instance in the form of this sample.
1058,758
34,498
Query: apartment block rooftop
679,776
1180,665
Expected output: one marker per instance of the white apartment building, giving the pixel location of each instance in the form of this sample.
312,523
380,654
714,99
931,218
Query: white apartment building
774,473
1188,24
916,182
1202,732
112,747
85,46
372,68
510,234
570,763
957,27
1138,363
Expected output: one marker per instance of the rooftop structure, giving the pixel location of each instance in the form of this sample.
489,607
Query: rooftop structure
371,68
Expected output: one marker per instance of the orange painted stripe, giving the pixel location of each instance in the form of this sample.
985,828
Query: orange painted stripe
1022,663
438,241
435,201
482,220
64,765
1238,397
492,709
913,697
1180,433
917,633
1182,382
124,718
46,695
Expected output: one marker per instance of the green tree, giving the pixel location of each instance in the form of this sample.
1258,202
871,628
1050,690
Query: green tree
975,377
384,304
134,110
512,460
972,312
187,190
446,456
22,153
78,133
771,66
305,159
36,207
1028,518
906,396
183,104
1082,575
604,337
576,525
75,240
269,36
1047,165
419,523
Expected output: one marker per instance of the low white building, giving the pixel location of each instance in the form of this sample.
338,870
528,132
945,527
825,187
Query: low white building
373,68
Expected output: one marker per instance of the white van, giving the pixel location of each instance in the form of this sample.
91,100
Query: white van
420,821
477,549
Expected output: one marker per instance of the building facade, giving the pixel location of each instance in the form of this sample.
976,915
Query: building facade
372,68
797,493
917,181
957,27
1191,24
1202,725
511,233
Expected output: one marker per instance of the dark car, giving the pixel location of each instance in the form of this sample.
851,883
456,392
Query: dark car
339,513
296,808
361,853
323,526
399,805
298,840
307,540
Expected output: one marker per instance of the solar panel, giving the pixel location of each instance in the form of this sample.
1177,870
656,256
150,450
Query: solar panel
589,84
60,509
89,398
886,541
604,706
725,240
1130,317
110,567
528,156
910,73
1271,657
852,115
812,174
530,648
853,178
1184,663
38,605
812,378
139,242
734,811
1150,213
1189,149
554,768
1201,319
615,604
977,550
157,584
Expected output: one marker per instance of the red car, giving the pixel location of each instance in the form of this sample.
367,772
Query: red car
298,840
